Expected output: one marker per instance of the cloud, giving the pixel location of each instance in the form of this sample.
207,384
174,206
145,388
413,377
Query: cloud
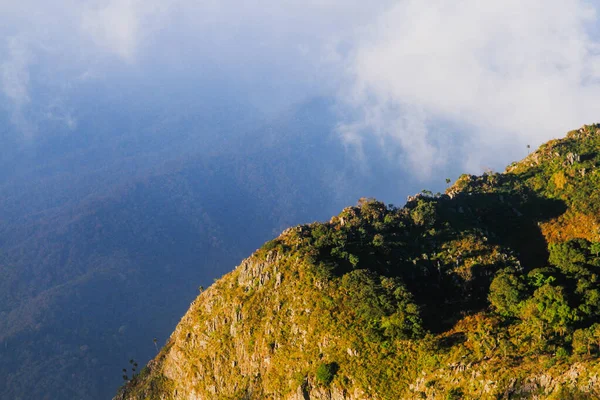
114,26
427,82
506,73
14,71
122,26
14,80
275,52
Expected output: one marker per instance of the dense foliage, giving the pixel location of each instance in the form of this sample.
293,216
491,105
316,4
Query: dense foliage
498,276
107,231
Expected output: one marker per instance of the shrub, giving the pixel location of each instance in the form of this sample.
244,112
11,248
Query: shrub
326,372
506,293
454,394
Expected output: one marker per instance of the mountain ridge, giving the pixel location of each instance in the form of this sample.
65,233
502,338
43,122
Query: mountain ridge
107,231
456,295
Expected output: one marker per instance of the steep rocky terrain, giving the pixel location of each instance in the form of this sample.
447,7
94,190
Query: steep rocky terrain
107,232
490,290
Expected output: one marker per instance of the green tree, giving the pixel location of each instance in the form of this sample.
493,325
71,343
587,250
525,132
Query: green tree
595,248
424,214
587,340
569,256
326,372
548,311
582,341
507,291
595,334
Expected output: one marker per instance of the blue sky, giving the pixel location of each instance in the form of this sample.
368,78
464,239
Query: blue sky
411,73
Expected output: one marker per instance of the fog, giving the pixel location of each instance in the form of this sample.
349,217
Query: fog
149,146
414,77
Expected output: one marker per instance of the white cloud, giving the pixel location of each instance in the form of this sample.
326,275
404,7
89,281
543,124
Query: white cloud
14,73
504,74
121,26
275,50
114,26
508,73
14,80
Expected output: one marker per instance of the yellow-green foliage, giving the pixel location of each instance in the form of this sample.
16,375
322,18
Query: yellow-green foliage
489,291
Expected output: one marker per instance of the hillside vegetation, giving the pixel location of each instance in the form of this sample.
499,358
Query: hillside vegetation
107,232
490,290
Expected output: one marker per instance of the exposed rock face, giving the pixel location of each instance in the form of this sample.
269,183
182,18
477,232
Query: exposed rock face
241,339
535,382
230,345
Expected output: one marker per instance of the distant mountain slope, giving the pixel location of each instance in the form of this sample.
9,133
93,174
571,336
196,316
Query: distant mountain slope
488,291
107,233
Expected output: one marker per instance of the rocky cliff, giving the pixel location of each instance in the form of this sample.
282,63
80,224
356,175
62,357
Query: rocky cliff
488,291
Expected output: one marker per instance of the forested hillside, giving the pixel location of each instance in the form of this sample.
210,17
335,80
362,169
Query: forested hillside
490,290
106,233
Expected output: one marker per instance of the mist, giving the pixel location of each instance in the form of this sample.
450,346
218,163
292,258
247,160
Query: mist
149,146
411,76
505,74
